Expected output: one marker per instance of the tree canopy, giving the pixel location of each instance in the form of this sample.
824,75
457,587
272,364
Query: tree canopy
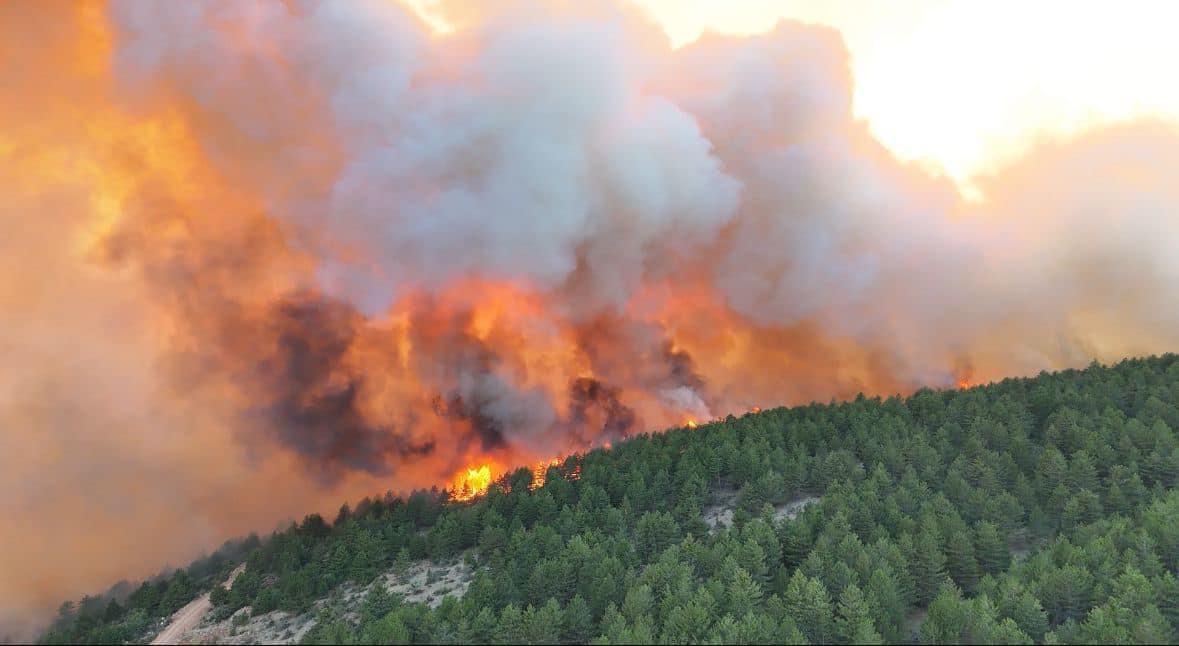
1025,511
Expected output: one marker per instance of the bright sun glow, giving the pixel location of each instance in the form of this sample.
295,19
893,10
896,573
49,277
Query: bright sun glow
960,85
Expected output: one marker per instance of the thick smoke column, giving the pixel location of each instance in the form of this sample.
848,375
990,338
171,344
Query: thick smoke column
259,257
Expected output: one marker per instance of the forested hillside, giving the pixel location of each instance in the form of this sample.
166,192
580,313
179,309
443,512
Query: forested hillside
1031,510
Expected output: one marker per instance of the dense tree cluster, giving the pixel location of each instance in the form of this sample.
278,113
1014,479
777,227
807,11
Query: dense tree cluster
130,614
1030,510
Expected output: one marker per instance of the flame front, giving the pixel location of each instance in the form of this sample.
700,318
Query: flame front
474,481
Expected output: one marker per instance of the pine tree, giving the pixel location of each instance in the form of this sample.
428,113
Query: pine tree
386,630
1082,474
960,561
638,603
542,625
484,625
577,623
853,621
1167,598
614,626
808,604
1066,593
928,566
886,600
687,624
1025,609
756,628
991,548
511,625
788,632
402,562
725,631
1008,632
744,593
796,542
655,532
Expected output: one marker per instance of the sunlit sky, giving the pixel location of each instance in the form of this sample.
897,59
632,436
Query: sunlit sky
963,84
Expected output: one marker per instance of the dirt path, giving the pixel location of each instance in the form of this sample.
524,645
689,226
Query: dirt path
190,615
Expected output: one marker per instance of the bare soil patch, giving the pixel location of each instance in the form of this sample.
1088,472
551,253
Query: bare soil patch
187,618
425,582
719,514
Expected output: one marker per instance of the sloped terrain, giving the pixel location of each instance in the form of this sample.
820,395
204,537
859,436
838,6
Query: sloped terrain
188,617
423,582
1039,510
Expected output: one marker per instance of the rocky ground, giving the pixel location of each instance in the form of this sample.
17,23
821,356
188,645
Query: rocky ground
719,514
425,582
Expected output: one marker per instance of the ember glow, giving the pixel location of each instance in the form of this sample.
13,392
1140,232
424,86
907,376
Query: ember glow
262,257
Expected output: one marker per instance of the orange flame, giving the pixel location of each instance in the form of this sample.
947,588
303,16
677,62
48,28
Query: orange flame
691,423
539,471
472,482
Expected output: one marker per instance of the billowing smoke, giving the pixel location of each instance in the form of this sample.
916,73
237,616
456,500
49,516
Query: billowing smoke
310,398
589,397
260,257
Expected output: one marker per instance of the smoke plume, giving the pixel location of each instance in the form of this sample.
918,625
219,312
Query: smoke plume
261,257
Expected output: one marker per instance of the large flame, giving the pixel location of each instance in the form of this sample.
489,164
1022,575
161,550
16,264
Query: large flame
260,257
471,483
540,471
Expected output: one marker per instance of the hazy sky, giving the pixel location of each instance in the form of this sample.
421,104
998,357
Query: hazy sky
961,84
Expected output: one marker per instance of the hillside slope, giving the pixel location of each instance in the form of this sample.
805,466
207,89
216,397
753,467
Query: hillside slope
1028,510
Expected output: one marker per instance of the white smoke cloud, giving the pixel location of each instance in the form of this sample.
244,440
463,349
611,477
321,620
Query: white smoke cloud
569,151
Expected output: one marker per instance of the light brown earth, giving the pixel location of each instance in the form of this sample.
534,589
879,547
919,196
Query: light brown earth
719,515
190,615
425,581
416,586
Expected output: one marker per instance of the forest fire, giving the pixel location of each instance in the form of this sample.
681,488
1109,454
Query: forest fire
474,481
316,250
540,470
471,483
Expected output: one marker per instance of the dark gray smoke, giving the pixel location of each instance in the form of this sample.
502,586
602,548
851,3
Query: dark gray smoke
596,407
313,394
